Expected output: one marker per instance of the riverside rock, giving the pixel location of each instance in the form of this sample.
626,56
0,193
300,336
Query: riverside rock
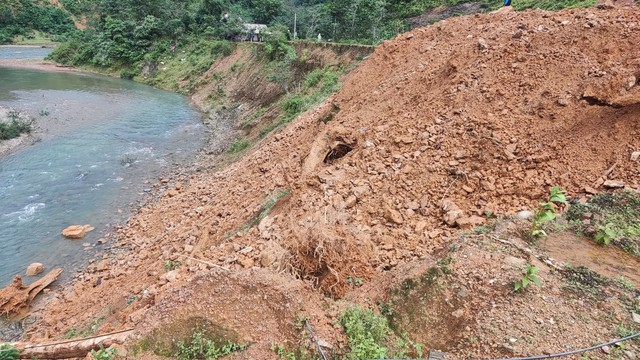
76,231
35,269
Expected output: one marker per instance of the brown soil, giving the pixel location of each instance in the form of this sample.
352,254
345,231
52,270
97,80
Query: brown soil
479,113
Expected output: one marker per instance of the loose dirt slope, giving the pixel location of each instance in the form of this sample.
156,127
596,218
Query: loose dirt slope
482,113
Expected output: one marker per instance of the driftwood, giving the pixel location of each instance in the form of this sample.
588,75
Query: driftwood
17,297
69,349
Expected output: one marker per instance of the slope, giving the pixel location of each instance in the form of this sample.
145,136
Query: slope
438,127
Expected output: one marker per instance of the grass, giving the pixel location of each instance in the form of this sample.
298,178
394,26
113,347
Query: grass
239,145
317,86
613,218
371,337
264,209
33,38
14,127
199,347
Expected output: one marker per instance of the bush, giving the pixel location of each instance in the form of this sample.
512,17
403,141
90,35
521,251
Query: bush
13,129
222,47
366,332
8,352
239,145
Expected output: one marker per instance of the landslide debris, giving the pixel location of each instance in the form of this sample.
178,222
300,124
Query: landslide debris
471,115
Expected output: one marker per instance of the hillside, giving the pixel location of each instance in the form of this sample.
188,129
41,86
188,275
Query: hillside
365,200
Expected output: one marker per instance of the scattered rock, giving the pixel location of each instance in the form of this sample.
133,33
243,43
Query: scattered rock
35,269
525,214
613,184
590,190
350,202
470,222
635,317
393,216
76,231
171,276
482,44
606,350
635,156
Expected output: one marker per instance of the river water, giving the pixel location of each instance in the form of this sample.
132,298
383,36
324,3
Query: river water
102,142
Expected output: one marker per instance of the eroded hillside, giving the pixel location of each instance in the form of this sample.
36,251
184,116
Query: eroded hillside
473,116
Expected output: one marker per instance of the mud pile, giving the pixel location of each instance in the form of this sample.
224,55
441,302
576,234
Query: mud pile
438,127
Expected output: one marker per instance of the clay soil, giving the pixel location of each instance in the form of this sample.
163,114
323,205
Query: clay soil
480,114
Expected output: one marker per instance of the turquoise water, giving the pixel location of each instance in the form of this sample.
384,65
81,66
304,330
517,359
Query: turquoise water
24,52
78,172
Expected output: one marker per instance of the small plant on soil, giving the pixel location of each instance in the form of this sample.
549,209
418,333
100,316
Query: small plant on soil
170,265
528,277
104,354
8,352
198,347
547,212
605,234
366,332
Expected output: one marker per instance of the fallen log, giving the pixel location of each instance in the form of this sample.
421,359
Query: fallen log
68,349
17,297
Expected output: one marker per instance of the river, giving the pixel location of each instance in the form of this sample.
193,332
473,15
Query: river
102,143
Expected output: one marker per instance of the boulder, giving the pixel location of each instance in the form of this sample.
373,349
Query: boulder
35,269
76,231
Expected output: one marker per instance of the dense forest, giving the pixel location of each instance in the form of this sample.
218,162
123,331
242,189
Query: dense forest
120,32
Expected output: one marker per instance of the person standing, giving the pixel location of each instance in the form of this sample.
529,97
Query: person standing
507,2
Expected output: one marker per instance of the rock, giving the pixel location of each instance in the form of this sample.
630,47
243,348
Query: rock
482,44
635,156
246,263
393,216
420,226
452,216
606,350
35,269
325,344
613,184
188,249
172,193
469,222
76,231
458,313
102,265
635,317
590,190
171,276
350,202
630,354
525,214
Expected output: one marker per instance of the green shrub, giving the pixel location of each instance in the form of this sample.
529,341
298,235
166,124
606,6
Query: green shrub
198,347
366,331
239,145
222,47
8,352
13,129
127,74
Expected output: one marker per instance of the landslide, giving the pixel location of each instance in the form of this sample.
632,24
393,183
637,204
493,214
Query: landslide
482,113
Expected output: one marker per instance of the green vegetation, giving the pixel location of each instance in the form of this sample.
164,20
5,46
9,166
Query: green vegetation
547,212
370,336
13,129
239,145
528,277
8,352
104,354
199,347
264,209
27,18
366,332
610,218
317,86
170,265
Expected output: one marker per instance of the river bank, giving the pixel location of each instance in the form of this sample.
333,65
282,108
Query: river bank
120,164
8,115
